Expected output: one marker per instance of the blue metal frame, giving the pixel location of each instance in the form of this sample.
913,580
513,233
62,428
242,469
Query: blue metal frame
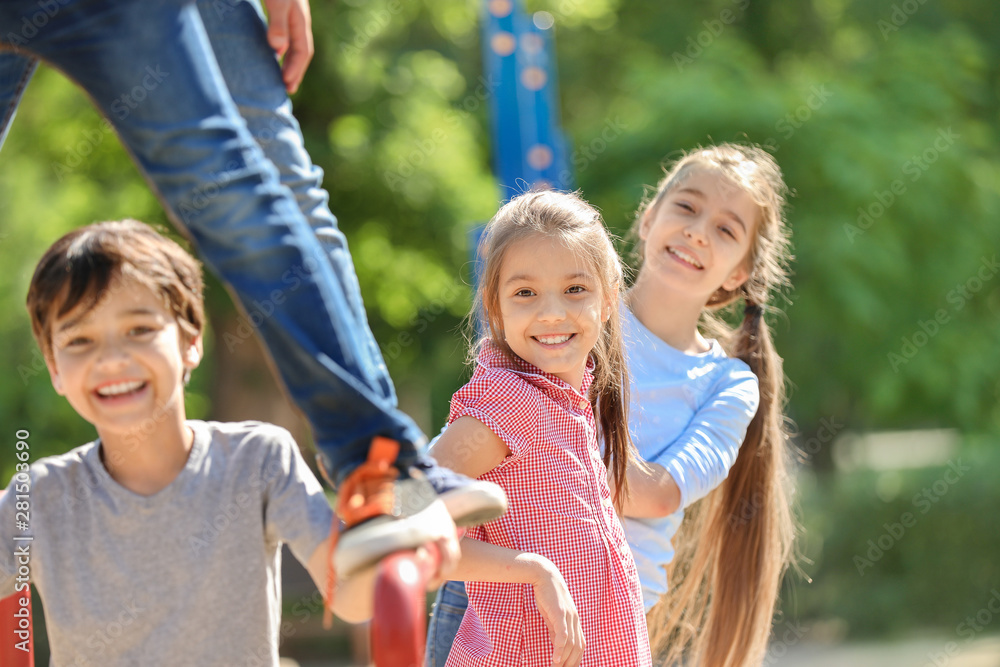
529,149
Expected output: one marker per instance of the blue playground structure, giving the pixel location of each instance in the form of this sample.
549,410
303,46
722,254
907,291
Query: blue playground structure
529,150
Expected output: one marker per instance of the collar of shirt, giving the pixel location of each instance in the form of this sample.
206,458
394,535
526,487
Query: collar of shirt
641,343
491,356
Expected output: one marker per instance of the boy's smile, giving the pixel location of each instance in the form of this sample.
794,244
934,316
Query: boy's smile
115,390
552,306
121,364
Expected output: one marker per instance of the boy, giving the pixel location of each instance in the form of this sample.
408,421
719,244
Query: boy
159,543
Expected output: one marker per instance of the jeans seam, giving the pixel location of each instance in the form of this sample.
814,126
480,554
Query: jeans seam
21,85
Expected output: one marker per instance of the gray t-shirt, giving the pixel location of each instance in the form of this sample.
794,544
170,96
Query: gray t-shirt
188,576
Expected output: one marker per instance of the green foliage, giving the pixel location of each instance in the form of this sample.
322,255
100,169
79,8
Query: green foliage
849,117
890,551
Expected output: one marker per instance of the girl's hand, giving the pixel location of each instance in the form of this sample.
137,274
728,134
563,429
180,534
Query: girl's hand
652,491
560,615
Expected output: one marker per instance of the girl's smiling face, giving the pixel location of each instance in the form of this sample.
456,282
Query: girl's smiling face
698,237
552,306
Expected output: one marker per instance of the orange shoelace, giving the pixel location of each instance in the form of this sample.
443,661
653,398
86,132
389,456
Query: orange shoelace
365,494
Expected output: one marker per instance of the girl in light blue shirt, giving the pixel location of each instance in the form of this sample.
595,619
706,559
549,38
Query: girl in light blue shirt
706,408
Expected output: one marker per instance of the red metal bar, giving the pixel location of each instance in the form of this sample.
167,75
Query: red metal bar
17,646
17,639
399,624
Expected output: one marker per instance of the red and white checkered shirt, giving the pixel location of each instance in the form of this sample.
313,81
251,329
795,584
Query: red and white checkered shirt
560,507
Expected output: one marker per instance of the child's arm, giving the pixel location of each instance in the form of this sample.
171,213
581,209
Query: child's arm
299,514
352,599
652,491
469,447
482,561
699,459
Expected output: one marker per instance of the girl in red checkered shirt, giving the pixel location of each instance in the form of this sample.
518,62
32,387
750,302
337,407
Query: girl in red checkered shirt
552,582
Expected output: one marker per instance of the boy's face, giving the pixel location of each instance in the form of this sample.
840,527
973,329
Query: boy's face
121,364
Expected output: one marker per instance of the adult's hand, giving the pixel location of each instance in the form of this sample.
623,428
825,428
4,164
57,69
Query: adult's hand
289,33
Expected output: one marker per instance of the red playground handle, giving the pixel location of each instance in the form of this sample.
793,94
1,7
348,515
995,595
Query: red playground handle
17,648
399,624
17,640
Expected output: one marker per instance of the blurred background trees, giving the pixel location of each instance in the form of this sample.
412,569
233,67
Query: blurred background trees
882,114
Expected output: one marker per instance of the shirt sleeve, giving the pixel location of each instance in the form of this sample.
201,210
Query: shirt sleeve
295,509
505,403
24,483
700,458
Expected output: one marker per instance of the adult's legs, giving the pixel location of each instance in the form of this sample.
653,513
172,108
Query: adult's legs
15,73
446,617
150,69
238,33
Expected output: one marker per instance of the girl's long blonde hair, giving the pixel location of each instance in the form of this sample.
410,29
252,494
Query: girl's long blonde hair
735,544
576,223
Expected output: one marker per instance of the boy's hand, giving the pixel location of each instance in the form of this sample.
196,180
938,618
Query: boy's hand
354,597
560,615
289,33
440,559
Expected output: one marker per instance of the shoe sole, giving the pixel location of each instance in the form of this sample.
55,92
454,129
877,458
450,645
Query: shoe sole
364,545
475,504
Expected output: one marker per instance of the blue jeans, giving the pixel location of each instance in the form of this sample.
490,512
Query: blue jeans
207,134
449,608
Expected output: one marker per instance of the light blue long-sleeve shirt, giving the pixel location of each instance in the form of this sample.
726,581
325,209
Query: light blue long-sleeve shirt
688,413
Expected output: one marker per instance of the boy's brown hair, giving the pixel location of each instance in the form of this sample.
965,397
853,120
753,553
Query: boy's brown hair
81,268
